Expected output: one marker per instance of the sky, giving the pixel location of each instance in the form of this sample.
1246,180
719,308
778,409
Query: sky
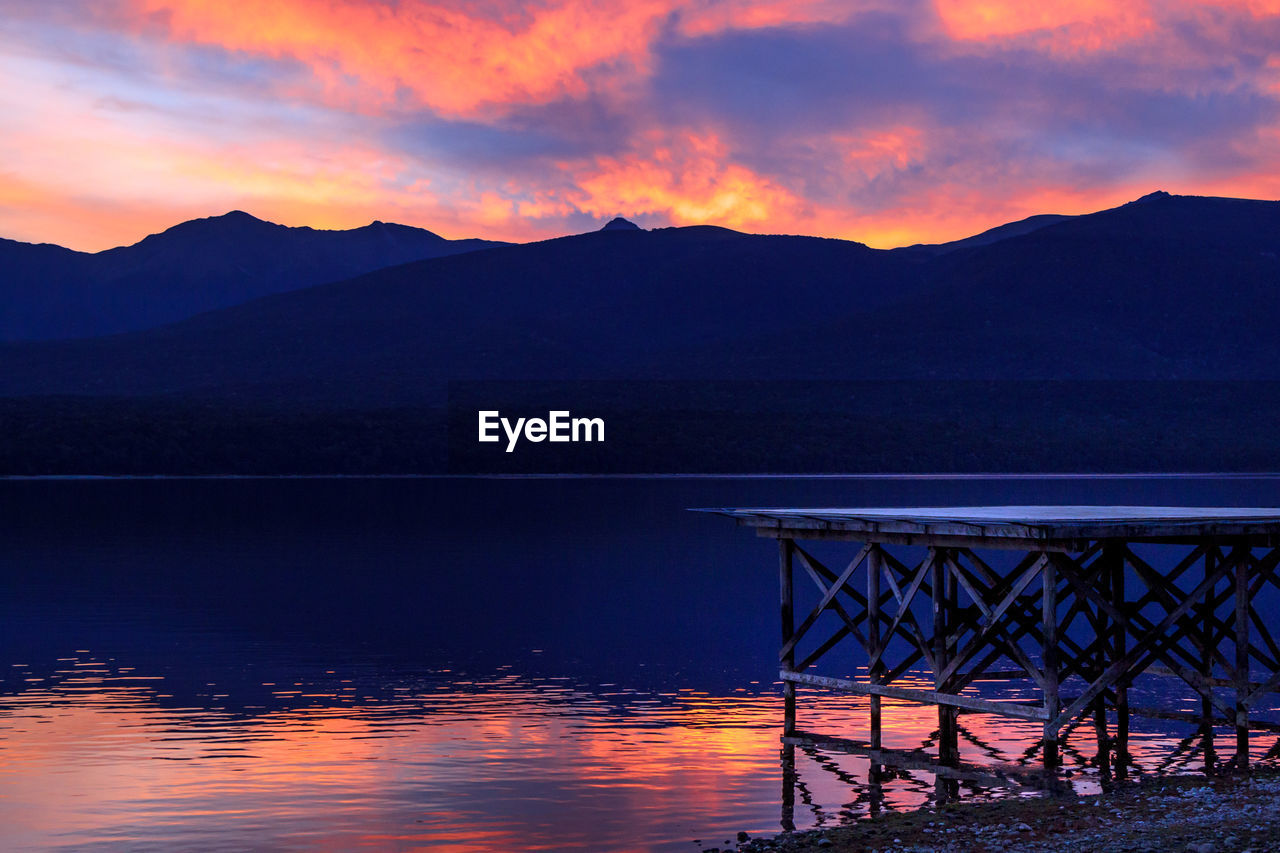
890,122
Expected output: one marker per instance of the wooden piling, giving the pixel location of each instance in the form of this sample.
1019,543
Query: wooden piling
1207,645
1241,578
1116,568
875,651
1103,633
786,582
1049,657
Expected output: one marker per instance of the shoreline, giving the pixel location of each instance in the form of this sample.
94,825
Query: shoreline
1227,813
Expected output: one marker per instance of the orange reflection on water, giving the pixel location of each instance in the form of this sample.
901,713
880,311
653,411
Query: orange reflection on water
91,756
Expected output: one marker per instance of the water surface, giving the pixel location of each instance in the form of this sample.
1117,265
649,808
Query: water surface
462,664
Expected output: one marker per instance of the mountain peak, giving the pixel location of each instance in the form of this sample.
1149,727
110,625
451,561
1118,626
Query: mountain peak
1158,195
620,224
234,223
237,216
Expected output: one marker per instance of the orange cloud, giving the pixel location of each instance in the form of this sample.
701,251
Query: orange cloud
880,152
1256,8
711,18
463,62
377,55
686,177
1065,26
980,19
691,178
1078,26
454,61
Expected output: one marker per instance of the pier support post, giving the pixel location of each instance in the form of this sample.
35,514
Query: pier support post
1244,558
1104,633
875,672
875,651
949,717
786,583
1206,663
937,588
1049,627
1116,566
942,586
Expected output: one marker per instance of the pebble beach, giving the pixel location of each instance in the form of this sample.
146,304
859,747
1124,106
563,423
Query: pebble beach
1220,814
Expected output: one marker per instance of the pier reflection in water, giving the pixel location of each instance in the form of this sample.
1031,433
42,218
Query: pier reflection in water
998,757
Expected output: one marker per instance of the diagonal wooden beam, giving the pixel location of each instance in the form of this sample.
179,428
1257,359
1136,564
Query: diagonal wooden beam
810,565
995,637
819,572
901,667
1264,570
828,645
963,579
828,593
1161,645
1020,610
904,607
1002,642
1142,646
1257,692
1016,590
1157,586
1027,615
1171,576
1198,681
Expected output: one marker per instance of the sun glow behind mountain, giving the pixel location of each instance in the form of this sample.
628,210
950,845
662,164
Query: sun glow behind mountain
886,123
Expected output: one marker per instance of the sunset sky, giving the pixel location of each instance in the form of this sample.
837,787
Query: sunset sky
885,121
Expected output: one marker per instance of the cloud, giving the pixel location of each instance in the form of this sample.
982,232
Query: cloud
884,122
684,178
461,59
1076,25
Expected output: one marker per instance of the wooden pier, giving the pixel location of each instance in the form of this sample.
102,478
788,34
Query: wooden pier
1086,597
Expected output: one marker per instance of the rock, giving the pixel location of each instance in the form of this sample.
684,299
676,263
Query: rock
1201,847
742,837
1022,827
825,842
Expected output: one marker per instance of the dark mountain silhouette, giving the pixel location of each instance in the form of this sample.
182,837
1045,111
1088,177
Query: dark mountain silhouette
607,303
1163,288
47,292
991,235
620,224
1170,286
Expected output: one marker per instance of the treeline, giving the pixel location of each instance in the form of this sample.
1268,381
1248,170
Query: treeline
673,427
92,436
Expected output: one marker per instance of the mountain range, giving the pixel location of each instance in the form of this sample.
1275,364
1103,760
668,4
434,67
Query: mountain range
49,292
1163,288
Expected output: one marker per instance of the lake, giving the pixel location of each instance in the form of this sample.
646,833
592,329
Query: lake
451,663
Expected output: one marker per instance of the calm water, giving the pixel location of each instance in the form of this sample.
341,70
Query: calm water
452,664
